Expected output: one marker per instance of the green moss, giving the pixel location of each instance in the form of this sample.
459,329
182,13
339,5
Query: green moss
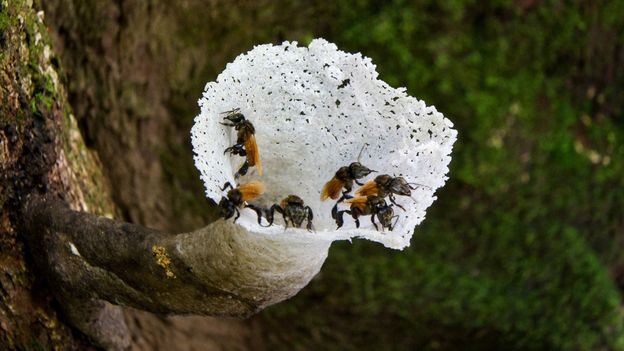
5,20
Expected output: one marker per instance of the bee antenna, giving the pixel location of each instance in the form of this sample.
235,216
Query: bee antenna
231,111
417,184
395,221
362,149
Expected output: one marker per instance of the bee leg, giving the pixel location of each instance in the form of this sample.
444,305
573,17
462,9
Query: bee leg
334,211
237,214
358,183
243,170
286,218
345,196
236,149
395,222
270,214
310,217
338,218
375,224
348,186
228,124
355,213
394,202
259,213
227,185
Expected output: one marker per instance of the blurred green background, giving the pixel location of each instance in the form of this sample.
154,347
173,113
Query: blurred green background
523,248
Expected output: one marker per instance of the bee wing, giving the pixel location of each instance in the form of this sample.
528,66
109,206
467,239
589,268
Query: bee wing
369,188
251,190
230,112
358,201
253,157
331,189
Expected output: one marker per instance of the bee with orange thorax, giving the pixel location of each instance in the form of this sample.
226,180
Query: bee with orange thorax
246,145
386,185
344,178
372,205
237,198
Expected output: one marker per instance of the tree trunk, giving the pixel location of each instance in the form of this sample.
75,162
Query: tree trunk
41,148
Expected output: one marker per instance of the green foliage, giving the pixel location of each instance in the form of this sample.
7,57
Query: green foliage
522,248
5,20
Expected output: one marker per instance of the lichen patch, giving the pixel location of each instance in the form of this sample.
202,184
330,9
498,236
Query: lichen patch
163,260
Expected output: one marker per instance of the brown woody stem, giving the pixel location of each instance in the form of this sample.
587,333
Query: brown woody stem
219,270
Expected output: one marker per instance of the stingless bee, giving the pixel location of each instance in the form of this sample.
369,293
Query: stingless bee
344,178
372,205
237,198
293,209
246,145
386,185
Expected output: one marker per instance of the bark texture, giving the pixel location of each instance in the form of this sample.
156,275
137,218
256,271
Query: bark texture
40,148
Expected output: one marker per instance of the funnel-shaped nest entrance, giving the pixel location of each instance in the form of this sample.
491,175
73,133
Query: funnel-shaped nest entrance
313,110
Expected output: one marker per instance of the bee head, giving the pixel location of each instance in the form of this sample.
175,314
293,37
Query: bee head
235,197
399,186
385,215
235,118
227,208
357,170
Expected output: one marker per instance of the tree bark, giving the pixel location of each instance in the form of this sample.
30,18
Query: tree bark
40,148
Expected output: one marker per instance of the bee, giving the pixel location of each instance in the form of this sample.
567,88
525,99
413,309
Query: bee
246,145
386,185
293,209
372,205
236,198
344,178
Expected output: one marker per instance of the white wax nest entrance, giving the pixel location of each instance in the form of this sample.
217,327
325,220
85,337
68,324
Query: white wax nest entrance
313,109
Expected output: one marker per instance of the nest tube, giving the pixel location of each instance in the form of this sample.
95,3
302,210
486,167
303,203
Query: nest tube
313,109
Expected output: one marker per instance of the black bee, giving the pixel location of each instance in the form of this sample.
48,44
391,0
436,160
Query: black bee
246,145
386,185
293,209
372,205
236,198
344,178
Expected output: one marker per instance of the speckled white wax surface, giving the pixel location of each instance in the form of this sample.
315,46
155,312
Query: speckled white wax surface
313,109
